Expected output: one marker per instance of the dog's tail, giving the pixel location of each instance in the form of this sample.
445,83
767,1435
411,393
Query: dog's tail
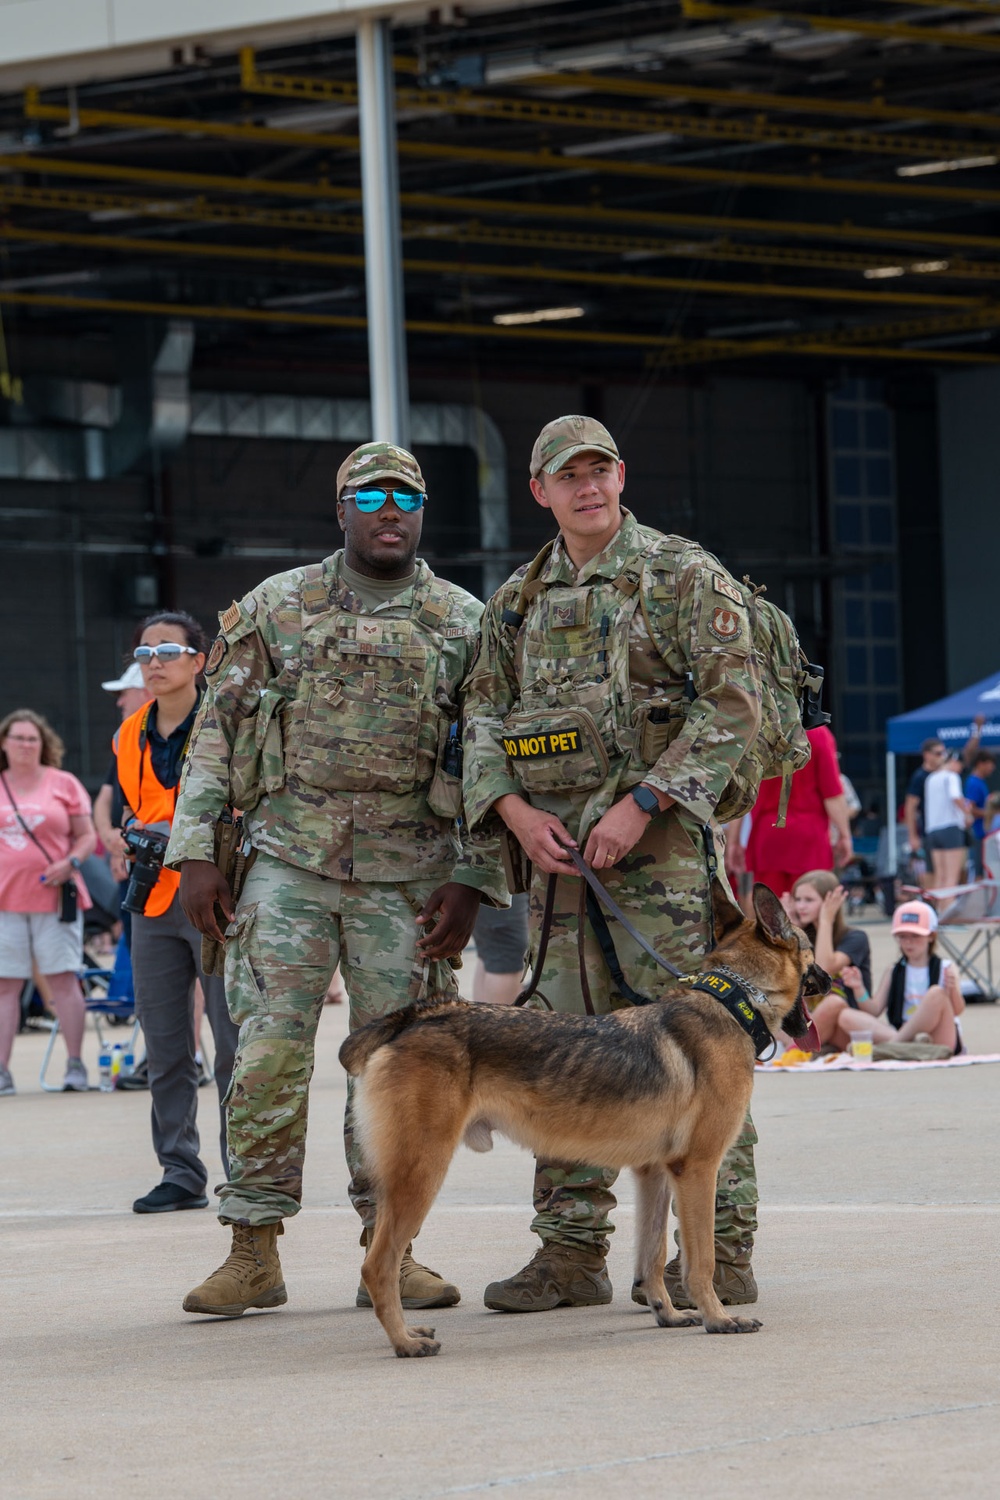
366,1041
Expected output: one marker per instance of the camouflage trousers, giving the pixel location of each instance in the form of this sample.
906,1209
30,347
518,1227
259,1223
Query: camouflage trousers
292,929
667,900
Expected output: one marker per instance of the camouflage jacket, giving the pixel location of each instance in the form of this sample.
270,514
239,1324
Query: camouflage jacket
326,722
577,704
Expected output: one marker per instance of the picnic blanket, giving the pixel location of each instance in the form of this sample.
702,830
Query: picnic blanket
842,1062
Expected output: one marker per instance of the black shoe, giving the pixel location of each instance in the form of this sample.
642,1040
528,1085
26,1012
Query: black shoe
137,1079
167,1197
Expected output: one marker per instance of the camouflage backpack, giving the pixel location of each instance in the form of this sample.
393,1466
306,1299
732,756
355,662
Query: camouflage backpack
791,688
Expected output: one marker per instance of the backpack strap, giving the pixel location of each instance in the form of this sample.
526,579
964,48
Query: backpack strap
531,585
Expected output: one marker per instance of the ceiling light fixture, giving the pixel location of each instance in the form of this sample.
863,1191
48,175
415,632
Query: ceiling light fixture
929,265
956,164
883,273
539,315
622,143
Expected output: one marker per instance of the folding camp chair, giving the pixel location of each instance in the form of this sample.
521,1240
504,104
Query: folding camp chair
968,925
108,994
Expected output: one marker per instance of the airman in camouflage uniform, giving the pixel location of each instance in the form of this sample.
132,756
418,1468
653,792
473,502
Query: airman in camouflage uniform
615,691
330,719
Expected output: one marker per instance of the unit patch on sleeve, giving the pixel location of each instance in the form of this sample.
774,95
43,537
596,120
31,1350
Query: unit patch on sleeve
725,625
727,588
216,654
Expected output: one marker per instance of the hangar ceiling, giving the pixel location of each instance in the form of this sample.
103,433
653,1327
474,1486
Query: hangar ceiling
627,187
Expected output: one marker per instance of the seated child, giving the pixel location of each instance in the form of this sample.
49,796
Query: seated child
817,905
920,994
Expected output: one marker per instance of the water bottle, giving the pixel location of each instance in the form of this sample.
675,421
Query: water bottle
104,1069
116,1065
128,1062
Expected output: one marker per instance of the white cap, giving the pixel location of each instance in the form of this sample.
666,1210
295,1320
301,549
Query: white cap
130,678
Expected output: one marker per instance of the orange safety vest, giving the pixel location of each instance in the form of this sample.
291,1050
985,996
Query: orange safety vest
148,798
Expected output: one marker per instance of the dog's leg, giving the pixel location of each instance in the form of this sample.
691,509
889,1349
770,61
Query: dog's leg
412,1137
380,1274
653,1205
694,1197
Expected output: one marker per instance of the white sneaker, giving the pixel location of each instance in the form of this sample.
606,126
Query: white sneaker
6,1082
76,1080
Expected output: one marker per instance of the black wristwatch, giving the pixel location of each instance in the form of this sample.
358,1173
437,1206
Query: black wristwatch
645,799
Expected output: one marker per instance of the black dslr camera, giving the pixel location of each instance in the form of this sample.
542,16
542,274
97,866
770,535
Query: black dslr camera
147,847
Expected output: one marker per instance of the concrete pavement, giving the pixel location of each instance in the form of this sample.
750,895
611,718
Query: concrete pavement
876,1372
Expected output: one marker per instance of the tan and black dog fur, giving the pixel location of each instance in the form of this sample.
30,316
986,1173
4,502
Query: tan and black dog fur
662,1088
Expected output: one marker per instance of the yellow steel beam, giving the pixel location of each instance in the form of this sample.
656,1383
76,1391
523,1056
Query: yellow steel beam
814,104
479,156
933,36
129,244
543,113
310,218
678,349
475,232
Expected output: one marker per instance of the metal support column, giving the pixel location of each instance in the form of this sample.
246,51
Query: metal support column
383,235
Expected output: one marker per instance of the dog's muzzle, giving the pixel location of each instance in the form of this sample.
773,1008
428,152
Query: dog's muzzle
799,1024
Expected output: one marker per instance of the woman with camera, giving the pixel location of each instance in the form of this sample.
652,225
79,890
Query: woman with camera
45,834
150,747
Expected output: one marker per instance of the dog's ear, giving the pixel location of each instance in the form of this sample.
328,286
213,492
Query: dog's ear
816,982
771,918
726,915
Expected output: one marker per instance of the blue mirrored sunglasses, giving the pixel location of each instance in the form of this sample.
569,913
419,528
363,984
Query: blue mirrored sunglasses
168,651
369,500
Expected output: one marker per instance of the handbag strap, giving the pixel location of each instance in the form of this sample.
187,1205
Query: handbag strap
17,813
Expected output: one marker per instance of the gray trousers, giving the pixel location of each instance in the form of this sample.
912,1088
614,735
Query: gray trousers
166,960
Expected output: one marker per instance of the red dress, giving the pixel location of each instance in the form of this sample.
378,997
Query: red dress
778,856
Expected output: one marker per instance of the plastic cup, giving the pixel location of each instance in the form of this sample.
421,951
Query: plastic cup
861,1047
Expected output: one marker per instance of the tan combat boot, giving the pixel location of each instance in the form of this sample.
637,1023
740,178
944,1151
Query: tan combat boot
555,1276
418,1285
249,1277
733,1280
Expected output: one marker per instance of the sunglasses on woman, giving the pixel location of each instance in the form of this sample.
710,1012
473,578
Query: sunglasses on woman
168,651
374,499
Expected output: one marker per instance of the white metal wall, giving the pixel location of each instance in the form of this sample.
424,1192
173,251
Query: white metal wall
53,33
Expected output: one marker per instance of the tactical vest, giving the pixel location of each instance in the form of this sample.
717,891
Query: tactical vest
360,713
578,725
573,648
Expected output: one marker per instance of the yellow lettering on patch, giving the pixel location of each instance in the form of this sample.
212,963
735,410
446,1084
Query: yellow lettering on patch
524,747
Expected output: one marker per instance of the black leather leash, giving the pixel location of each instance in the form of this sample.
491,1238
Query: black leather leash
595,894
725,985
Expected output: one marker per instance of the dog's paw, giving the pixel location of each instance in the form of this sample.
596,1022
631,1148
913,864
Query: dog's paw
671,1318
733,1325
419,1344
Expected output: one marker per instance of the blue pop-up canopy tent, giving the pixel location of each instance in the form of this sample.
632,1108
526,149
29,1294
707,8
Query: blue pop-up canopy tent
948,719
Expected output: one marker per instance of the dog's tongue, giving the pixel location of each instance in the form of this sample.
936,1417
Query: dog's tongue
809,1041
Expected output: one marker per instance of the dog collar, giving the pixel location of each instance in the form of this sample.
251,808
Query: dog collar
734,993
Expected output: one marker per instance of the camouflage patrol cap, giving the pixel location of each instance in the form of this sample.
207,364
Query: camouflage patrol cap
563,438
379,461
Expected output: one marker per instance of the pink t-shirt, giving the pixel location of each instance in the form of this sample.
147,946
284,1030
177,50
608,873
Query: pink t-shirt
47,812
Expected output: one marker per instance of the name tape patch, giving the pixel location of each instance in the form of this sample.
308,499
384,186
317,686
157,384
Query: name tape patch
528,747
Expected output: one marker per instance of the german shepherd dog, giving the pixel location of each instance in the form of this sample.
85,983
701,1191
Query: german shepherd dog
662,1088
